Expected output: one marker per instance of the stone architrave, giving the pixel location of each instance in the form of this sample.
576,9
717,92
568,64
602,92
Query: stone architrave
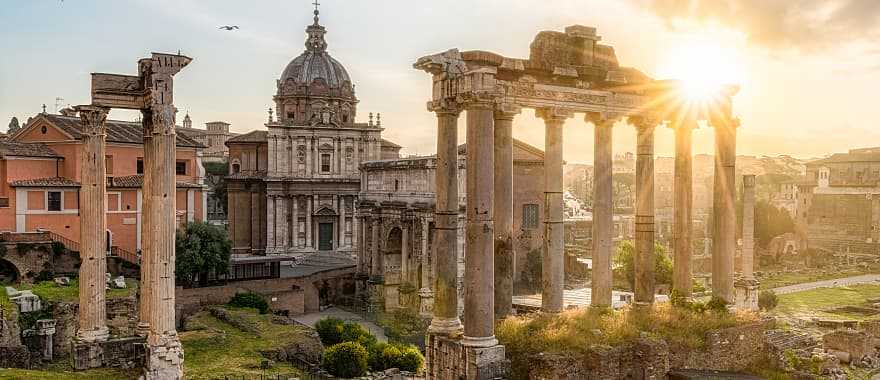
682,226
504,251
644,245
724,236
553,267
445,320
603,217
92,315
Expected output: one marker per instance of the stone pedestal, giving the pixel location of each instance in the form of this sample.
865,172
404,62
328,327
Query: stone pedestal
426,303
447,359
746,294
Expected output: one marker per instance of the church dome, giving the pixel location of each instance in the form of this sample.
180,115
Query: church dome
314,71
312,65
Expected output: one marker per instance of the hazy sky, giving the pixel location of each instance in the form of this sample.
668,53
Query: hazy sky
809,70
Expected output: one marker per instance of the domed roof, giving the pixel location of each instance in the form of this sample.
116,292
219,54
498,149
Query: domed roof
316,63
312,65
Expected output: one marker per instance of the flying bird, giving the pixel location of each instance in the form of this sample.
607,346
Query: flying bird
229,27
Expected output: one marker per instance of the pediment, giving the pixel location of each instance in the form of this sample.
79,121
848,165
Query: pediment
325,211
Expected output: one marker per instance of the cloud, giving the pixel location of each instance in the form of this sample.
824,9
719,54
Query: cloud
780,24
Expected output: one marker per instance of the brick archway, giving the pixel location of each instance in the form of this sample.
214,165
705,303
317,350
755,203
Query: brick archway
9,273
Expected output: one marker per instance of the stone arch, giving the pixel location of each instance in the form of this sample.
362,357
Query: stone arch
393,249
9,273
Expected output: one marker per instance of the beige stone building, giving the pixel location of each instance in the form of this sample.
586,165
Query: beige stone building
396,212
213,137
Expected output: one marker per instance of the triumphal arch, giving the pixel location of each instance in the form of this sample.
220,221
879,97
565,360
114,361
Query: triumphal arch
567,73
151,93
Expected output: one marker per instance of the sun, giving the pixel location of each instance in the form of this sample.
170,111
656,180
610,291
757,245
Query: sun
703,62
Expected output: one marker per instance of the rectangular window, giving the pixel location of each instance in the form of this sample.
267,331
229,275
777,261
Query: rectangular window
108,163
140,166
181,168
530,216
325,163
54,201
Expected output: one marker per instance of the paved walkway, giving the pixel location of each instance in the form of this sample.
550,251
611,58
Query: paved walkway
311,319
846,281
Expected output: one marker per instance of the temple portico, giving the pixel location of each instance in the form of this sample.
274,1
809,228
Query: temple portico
587,81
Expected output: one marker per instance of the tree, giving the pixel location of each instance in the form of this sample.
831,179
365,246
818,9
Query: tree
13,126
202,249
624,260
216,178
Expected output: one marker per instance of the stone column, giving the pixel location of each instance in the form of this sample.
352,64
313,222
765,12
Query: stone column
683,200
160,186
479,279
341,222
504,253
425,294
355,224
271,223
309,159
375,269
283,227
553,269
404,252
724,237
294,229
446,319
644,255
603,217
748,228
308,221
92,315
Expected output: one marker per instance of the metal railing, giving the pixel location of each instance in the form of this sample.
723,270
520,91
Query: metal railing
69,244
126,255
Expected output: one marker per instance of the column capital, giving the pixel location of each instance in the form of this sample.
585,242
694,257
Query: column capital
556,114
641,122
477,100
600,119
506,110
93,118
442,107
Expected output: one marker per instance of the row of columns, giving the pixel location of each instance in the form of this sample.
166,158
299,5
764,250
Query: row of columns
283,213
373,229
489,182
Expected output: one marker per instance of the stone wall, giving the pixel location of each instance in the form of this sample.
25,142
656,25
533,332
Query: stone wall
731,349
122,319
114,353
450,360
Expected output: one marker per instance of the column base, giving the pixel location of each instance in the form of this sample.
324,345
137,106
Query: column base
164,358
483,341
450,358
143,328
100,334
746,294
450,327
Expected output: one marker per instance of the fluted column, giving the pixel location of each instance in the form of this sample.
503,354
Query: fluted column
603,217
724,237
683,199
92,315
479,279
445,320
553,268
294,229
308,221
504,252
341,222
282,226
376,270
644,255
271,223
748,228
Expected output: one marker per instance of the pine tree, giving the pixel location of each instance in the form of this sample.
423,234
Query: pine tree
13,126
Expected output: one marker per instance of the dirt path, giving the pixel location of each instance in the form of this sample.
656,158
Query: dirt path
846,281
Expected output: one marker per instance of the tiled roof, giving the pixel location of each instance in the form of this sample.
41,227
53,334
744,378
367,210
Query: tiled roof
192,132
847,157
8,148
137,181
45,182
117,131
250,137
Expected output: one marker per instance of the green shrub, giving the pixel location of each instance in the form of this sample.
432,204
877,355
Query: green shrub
406,357
767,300
252,300
333,331
717,304
348,359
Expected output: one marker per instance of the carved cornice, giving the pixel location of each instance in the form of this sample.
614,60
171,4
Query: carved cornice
556,114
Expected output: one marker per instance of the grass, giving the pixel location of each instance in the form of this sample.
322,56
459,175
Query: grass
792,278
220,349
63,371
5,303
574,332
816,302
48,291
